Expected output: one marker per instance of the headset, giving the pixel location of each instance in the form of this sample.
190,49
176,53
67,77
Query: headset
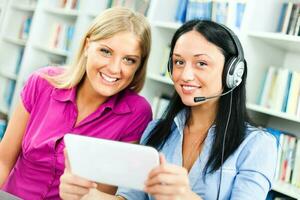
235,68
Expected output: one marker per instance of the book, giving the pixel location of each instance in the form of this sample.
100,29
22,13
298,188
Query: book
220,11
296,172
293,93
199,9
287,17
281,16
19,60
181,11
268,81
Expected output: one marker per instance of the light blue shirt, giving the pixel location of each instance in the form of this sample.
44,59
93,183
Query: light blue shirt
247,173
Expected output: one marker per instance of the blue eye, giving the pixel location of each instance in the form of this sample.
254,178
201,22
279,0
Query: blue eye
105,52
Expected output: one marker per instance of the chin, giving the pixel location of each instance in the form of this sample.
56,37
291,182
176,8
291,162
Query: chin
188,101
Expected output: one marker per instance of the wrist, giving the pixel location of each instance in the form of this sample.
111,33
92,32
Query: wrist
192,196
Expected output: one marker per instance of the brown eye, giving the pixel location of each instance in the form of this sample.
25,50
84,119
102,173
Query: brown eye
178,62
201,64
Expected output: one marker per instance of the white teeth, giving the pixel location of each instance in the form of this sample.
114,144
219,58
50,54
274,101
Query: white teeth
188,87
107,78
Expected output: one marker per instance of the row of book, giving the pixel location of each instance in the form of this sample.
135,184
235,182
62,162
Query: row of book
61,36
288,158
6,92
140,6
228,12
280,90
289,19
25,27
67,4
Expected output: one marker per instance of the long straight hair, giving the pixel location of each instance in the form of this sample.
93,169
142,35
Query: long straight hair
106,25
217,35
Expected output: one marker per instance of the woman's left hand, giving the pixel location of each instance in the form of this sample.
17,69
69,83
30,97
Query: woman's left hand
169,182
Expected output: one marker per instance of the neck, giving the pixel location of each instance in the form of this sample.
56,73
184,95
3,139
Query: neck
87,96
202,117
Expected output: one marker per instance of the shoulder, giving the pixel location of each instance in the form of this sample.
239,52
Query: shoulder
137,103
38,77
259,137
147,131
258,147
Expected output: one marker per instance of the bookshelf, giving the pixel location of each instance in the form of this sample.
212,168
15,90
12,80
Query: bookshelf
263,47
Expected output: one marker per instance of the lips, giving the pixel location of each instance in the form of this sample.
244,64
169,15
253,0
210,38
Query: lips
108,78
189,89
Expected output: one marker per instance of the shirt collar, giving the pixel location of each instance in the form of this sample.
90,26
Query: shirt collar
180,120
117,103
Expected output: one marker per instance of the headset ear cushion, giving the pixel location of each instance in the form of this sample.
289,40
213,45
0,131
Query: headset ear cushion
235,73
230,66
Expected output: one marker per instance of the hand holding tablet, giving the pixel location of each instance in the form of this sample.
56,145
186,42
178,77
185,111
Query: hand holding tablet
110,162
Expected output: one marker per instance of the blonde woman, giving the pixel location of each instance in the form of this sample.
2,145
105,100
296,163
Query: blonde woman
96,96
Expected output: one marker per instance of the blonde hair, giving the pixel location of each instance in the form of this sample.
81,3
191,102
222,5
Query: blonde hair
107,24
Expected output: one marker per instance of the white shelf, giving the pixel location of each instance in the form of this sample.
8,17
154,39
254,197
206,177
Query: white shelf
268,111
24,7
280,40
54,51
63,11
3,109
8,75
160,78
16,41
287,189
168,25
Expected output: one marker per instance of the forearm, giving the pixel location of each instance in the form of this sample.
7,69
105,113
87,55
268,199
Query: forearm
4,173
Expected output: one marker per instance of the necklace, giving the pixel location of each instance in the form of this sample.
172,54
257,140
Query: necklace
194,148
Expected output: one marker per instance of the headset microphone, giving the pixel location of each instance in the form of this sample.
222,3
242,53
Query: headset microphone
199,99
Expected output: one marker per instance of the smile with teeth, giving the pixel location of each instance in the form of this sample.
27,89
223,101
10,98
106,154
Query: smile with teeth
188,87
108,78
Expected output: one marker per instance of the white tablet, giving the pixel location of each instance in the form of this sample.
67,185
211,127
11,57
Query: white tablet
110,162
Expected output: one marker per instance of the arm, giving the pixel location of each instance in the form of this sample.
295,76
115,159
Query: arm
256,163
10,146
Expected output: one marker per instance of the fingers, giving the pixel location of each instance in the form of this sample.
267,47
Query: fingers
72,179
74,187
168,169
162,159
167,179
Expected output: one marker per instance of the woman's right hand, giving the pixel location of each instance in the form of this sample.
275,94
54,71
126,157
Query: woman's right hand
72,186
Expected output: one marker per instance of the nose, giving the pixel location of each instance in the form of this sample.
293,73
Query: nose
115,66
188,73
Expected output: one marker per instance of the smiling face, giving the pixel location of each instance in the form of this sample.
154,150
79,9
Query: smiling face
112,63
197,68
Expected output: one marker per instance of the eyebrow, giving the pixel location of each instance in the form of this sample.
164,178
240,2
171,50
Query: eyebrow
196,55
136,56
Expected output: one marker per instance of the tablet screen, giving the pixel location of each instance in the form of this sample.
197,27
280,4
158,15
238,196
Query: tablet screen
110,162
